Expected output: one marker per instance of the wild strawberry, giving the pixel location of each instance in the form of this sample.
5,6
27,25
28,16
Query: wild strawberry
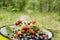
18,22
17,34
32,36
44,36
23,31
33,33
34,22
29,23
25,28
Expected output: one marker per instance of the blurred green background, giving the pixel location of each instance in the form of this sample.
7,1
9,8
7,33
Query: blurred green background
46,12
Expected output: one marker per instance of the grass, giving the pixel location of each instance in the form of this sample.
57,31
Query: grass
46,20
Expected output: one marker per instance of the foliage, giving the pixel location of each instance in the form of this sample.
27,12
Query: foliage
36,5
13,5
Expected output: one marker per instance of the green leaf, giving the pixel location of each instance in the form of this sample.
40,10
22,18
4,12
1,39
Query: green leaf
9,31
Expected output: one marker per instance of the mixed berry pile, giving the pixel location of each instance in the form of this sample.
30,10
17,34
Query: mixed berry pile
26,30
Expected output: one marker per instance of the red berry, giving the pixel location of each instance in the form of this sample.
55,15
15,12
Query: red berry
17,34
25,28
44,36
29,23
33,32
32,36
23,31
18,22
34,22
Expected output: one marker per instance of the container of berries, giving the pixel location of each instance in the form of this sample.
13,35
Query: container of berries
25,30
